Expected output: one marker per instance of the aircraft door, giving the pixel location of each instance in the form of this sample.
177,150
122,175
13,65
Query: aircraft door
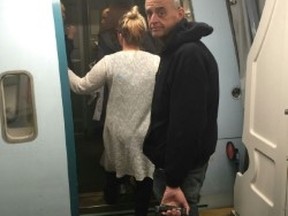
262,189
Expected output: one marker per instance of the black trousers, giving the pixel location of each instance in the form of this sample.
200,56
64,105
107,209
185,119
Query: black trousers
143,192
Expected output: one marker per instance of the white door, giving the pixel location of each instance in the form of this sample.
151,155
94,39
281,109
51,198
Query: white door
262,189
34,167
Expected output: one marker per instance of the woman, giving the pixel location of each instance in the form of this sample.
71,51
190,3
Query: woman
130,75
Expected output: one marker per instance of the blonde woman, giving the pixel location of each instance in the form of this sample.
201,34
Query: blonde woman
130,75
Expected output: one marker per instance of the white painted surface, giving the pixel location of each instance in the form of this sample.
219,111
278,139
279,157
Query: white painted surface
34,176
220,42
218,186
262,190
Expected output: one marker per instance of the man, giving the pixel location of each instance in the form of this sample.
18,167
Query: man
183,130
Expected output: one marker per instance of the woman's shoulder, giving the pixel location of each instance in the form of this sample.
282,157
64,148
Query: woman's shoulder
139,55
150,55
147,53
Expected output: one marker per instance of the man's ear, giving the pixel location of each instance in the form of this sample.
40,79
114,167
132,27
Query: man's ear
181,12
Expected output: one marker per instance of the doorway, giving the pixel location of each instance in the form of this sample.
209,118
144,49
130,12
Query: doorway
85,15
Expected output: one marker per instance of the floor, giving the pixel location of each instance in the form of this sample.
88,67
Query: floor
92,204
216,212
213,212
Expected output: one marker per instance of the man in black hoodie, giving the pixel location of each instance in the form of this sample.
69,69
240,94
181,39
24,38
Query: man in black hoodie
183,130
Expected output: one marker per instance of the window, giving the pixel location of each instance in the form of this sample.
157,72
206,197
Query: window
18,116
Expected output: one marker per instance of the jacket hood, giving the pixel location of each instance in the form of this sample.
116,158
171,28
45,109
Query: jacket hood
185,32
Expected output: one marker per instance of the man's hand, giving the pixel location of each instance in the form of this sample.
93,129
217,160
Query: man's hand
175,197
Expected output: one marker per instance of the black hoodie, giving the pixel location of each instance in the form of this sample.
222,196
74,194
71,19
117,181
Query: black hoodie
183,131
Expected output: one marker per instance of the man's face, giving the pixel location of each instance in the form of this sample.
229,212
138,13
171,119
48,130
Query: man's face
105,16
162,16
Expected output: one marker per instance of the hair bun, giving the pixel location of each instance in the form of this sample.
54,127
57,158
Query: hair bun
132,26
133,13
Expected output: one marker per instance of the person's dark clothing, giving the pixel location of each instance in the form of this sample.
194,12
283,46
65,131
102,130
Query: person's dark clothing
143,192
69,44
183,131
107,43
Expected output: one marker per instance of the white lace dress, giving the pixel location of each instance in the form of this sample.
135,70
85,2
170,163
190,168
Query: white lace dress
130,76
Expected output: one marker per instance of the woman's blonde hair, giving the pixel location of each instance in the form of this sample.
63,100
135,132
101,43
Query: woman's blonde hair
132,26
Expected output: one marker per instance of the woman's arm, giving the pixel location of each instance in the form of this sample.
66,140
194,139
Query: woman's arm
92,81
